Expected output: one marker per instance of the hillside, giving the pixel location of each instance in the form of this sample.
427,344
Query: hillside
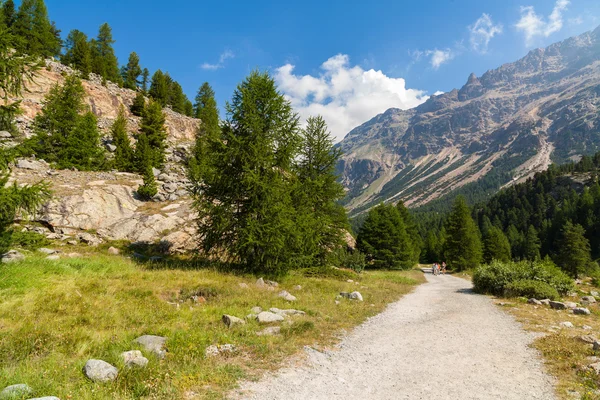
497,129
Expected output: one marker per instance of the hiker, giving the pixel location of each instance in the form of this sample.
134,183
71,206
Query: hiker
434,269
444,267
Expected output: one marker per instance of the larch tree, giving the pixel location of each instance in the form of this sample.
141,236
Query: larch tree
131,72
9,14
124,160
145,80
495,246
159,88
463,244
104,60
532,245
573,254
78,53
153,127
37,35
208,131
138,105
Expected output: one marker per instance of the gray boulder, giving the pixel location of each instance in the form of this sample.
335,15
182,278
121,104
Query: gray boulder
113,250
545,302
287,312
100,371
267,317
557,305
260,282
352,296
5,135
287,296
272,283
212,350
256,310
581,311
33,165
16,391
570,304
270,331
153,344
111,147
596,345
47,251
12,256
588,339
566,324
534,301
231,321
134,359
588,300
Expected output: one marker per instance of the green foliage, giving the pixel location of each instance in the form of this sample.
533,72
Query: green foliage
208,131
159,88
532,245
168,92
37,36
495,246
494,278
78,53
574,250
29,240
342,257
104,60
531,289
62,135
124,157
145,80
328,272
384,240
131,72
148,189
153,127
463,245
9,14
139,104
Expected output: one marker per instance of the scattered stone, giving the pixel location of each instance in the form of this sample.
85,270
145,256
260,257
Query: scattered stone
134,358
586,328
12,256
47,251
270,331
16,391
557,305
298,287
89,239
588,300
72,242
566,324
270,288
570,304
287,296
350,281
352,296
243,285
534,301
337,302
100,371
113,250
33,165
153,344
251,317
595,367
272,283
256,310
284,313
581,311
588,339
230,320
111,147
5,135
155,172
594,293
227,348
212,350
545,302
260,282
54,257
267,317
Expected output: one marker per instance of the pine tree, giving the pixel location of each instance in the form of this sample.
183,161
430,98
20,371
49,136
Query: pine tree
9,14
83,149
153,126
383,239
189,108
412,231
38,36
245,207
132,72
208,130
573,250
145,77
159,88
463,245
124,160
532,245
177,98
495,246
148,189
139,104
104,60
78,53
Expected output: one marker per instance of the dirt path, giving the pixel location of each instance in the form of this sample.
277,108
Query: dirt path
439,342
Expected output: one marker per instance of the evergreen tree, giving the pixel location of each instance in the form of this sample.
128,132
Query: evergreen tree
78,53
124,160
153,127
496,246
139,104
148,189
177,98
159,88
132,72
463,245
243,196
9,14
104,60
383,239
532,245
189,108
38,36
145,77
208,131
412,230
62,135
573,250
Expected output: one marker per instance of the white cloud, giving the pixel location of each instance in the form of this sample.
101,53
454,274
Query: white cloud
576,21
482,31
534,26
439,57
226,55
346,96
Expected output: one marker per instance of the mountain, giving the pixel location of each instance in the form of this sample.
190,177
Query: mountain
498,129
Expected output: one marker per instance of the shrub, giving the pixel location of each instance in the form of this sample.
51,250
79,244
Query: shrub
328,272
29,240
496,277
344,258
530,288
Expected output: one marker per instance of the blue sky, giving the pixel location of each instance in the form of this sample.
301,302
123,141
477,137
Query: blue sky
346,60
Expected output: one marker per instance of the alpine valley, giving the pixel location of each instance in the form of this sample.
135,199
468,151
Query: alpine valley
497,130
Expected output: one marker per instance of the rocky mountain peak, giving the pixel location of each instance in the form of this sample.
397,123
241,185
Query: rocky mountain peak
472,89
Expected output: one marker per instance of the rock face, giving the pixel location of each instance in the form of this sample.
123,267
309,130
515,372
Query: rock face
516,118
100,371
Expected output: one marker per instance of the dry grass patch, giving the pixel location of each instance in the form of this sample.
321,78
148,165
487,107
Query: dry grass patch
55,315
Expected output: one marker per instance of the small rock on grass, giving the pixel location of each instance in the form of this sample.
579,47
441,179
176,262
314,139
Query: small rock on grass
581,311
596,345
47,251
588,300
134,358
298,287
113,250
570,304
153,344
212,350
287,296
100,371
352,296
270,331
267,317
260,282
231,321
588,339
53,257
16,391
286,312
567,324
586,328
12,256
256,310
545,301
534,301
557,305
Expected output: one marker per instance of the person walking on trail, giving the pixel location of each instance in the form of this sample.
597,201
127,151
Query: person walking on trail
434,269
444,267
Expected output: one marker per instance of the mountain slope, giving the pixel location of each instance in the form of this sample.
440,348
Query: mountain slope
497,129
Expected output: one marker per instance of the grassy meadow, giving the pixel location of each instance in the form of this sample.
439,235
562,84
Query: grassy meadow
55,315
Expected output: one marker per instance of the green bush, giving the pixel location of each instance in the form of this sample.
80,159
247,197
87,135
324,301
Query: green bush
495,277
327,272
531,289
28,240
344,258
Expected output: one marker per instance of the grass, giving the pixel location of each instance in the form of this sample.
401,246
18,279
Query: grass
566,357
55,315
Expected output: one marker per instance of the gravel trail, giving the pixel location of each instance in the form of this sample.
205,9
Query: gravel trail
439,342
